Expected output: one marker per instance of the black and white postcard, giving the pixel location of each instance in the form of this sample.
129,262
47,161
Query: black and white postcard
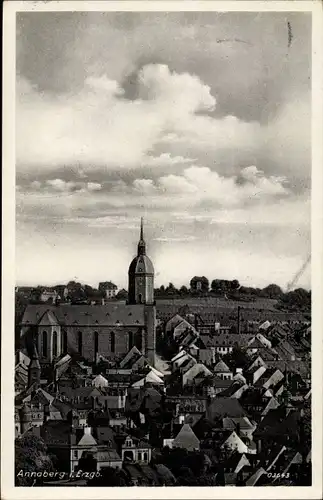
162,241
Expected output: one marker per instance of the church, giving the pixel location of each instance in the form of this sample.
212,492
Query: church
90,331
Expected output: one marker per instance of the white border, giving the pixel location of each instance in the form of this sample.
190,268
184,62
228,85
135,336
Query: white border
8,490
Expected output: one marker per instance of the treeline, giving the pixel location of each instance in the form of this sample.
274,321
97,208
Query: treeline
231,289
199,286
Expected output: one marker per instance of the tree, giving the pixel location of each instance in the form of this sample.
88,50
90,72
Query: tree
199,284
183,291
110,477
30,457
299,298
235,285
237,358
272,291
122,294
171,290
87,462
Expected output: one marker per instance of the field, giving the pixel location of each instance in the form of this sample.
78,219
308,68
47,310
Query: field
225,311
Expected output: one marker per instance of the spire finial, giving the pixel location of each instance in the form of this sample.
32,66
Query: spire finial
141,244
142,228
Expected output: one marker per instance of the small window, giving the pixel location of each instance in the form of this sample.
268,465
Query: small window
75,454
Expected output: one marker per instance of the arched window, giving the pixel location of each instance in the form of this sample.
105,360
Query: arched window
138,340
54,344
96,343
80,342
64,342
112,342
130,340
44,344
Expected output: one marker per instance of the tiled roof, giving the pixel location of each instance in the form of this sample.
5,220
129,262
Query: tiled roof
87,439
254,478
222,407
221,367
130,357
226,340
186,438
56,432
107,456
109,314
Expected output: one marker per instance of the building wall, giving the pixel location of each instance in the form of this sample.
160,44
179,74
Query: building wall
150,340
144,289
122,339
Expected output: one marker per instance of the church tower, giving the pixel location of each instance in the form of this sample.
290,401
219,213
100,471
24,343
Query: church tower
141,275
34,369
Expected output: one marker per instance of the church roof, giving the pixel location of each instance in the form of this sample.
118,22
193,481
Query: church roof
141,264
110,314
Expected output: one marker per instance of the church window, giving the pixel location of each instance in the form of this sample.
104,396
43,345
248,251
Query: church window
130,340
45,345
138,341
80,342
64,342
54,344
96,342
113,341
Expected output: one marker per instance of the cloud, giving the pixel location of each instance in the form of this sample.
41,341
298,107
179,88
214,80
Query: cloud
198,185
104,84
166,160
94,186
100,128
61,186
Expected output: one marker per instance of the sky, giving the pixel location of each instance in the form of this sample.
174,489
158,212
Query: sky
199,122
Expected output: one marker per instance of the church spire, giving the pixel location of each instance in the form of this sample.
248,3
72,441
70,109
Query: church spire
142,243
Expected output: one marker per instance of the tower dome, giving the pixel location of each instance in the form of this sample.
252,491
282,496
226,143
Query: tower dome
141,275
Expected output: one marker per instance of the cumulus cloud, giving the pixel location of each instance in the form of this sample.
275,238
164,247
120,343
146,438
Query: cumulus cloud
104,84
94,186
62,186
199,185
166,160
101,129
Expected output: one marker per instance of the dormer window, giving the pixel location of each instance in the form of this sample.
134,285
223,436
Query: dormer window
128,443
